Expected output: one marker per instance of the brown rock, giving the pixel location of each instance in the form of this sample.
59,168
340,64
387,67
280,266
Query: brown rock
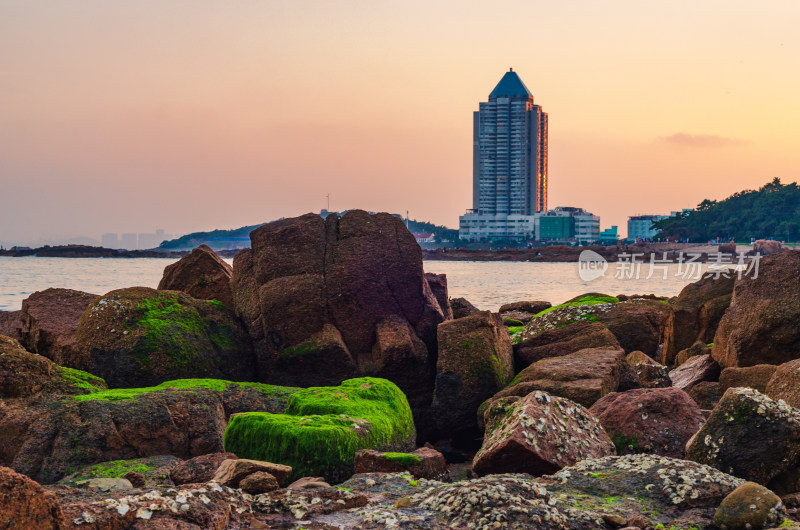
137,480
422,463
637,324
258,483
400,352
706,394
696,369
438,284
650,373
475,361
785,383
765,247
201,274
231,472
199,469
749,506
698,348
755,377
462,307
50,319
527,306
10,324
539,434
761,324
649,420
25,504
695,315
563,341
308,483
729,248
584,376
140,337
749,436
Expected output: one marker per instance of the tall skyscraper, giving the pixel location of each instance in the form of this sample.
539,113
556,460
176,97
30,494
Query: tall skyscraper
509,175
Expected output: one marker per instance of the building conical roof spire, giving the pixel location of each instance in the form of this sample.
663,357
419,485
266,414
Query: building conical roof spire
511,85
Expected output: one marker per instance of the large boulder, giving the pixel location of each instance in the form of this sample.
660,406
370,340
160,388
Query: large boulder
538,434
638,324
475,361
140,336
750,506
645,491
329,299
584,376
322,428
649,420
47,436
695,370
785,383
25,504
562,341
749,435
10,324
756,377
49,321
422,463
695,315
762,324
200,274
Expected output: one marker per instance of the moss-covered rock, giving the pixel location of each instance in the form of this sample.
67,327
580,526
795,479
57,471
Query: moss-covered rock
749,506
155,470
323,427
140,337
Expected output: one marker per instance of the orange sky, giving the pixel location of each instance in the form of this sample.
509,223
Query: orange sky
187,115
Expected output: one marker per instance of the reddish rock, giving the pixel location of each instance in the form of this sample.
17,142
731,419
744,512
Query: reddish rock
199,469
761,324
696,369
27,505
10,324
785,383
422,463
749,435
231,472
755,377
258,483
584,376
325,300
563,341
695,315
650,373
50,319
24,374
438,285
706,394
138,337
201,274
137,480
637,324
539,434
475,361
649,420
750,505
462,307
765,247
729,248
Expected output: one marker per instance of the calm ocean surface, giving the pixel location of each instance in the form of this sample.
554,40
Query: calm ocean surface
486,284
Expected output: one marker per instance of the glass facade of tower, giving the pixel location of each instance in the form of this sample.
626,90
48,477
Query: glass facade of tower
509,164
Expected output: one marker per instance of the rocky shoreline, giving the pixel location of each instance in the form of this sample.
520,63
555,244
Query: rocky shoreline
326,381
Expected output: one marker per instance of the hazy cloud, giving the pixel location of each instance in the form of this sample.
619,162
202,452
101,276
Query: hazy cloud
700,140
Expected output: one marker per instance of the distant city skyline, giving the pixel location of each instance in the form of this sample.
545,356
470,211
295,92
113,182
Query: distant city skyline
120,117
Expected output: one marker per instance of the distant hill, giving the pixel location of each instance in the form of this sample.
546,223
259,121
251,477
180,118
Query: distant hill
771,212
240,237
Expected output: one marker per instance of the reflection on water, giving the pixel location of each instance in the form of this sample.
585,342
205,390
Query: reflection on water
484,283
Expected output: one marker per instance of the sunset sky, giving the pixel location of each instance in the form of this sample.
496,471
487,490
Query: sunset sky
191,115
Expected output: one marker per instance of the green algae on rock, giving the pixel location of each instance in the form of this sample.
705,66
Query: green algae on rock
323,427
115,394
139,337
